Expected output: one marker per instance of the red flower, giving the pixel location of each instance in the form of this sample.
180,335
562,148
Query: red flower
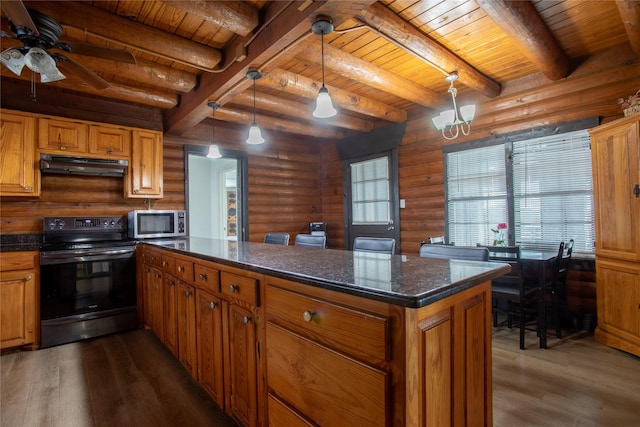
502,226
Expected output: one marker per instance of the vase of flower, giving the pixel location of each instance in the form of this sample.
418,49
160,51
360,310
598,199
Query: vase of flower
499,234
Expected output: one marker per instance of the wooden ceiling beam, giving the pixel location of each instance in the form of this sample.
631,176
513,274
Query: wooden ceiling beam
149,97
237,16
352,67
272,123
522,22
300,111
128,33
308,88
395,29
630,14
285,26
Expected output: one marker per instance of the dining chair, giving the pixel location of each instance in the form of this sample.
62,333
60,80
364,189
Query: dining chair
454,252
556,286
311,240
513,294
385,245
277,238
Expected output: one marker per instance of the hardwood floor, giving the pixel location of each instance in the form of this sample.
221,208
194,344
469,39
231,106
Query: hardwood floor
574,382
132,380
121,380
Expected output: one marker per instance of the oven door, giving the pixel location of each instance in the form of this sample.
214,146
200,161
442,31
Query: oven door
86,293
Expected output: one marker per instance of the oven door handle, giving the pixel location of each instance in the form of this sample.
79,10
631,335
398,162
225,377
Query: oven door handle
69,257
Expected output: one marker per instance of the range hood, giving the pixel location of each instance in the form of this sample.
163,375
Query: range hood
51,163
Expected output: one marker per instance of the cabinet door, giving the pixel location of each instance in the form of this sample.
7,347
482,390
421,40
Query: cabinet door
156,303
110,141
616,172
63,136
209,342
169,289
18,173
17,308
242,376
145,169
619,302
187,328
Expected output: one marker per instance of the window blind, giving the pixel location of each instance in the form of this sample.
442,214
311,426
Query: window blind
553,191
370,192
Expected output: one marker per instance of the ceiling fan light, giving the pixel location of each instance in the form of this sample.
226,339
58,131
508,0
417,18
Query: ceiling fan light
468,112
324,106
214,152
13,59
255,136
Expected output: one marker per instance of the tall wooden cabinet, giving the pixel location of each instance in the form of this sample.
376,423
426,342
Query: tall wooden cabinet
19,175
144,178
616,186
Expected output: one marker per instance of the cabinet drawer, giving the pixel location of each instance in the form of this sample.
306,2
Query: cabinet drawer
206,278
151,257
184,269
26,260
329,388
280,414
361,334
168,263
241,288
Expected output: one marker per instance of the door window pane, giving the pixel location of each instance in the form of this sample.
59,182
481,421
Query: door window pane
370,192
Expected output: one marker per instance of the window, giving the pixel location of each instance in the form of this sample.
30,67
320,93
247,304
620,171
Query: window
542,188
370,191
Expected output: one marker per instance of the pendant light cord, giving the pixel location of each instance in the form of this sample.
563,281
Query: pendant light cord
254,100
322,49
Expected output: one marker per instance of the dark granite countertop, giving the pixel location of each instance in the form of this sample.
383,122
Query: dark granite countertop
404,280
20,242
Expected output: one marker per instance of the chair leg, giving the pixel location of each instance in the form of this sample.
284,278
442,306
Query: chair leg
522,323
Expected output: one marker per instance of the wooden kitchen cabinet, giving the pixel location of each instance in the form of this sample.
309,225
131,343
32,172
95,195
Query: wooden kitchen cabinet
19,314
240,342
144,177
19,173
210,345
110,141
170,312
152,291
60,136
616,188
186,312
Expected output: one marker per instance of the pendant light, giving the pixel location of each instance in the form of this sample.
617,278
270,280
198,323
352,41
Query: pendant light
214,150
449,122
255,136
324,107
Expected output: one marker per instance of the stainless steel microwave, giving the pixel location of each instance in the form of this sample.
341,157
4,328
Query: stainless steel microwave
148,224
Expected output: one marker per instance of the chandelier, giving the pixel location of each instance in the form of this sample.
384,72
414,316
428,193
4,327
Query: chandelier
449,122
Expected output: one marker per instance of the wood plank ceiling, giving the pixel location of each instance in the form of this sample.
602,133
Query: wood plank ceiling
385,62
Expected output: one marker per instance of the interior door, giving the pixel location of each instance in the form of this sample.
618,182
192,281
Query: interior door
371,197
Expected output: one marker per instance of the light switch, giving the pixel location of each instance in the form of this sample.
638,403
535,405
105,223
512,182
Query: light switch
401,203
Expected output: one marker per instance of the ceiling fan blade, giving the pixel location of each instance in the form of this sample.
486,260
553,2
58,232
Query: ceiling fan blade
19,15
84,73
82,48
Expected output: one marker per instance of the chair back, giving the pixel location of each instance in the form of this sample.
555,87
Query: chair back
277,238
437,240
311,240
385,245
510,255
565,249
454,252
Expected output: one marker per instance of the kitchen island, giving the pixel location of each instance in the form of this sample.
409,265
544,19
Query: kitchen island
285,335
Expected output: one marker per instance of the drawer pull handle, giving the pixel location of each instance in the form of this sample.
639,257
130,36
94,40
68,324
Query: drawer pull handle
28,277
203,276
172,283
246,319
187,294
212,305
307,316
233,288
180,269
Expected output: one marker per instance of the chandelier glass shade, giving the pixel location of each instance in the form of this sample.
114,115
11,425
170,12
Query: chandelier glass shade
214,150
453,122
324,107
255,135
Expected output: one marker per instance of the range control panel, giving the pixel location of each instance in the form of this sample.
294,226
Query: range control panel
97,224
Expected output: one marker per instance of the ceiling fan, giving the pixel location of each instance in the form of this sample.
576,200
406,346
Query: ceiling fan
39,34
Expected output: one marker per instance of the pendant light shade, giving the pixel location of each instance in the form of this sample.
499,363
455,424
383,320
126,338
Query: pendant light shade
214,150
324,106
255,136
